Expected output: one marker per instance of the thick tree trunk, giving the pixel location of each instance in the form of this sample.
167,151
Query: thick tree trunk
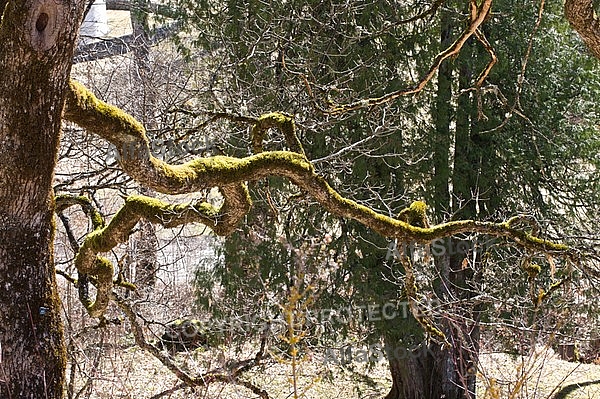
584,19
36,46
414,374
433,372
457,365
447,373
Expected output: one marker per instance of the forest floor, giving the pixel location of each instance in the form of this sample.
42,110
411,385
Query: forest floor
132,373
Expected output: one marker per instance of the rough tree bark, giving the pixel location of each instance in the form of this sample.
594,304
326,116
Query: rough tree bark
584,20
36,47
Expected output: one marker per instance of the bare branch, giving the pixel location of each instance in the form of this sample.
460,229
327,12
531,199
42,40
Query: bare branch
227,375
493,58
478,16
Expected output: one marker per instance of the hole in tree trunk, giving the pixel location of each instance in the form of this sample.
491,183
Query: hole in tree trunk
42,22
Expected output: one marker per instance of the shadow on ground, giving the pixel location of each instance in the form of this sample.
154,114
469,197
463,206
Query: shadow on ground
562,394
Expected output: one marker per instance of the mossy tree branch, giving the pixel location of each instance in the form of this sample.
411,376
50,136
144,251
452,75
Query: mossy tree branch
230,175
104,238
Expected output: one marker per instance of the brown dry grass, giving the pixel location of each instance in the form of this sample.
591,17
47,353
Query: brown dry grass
542,375
132,373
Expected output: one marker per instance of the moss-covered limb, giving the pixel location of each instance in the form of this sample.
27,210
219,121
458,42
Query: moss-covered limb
134,209
527,220
154,210
413,304
553,287
121,282
236,205
220,171
103,271
116,126
415,214
64,201
394,228
285,123
129,137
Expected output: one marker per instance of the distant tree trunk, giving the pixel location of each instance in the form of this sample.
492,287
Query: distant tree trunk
36,47
446,373
442,117
455,366
146,246
145,249
433,372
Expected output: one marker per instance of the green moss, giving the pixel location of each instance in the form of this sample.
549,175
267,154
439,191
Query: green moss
59,350
143,205
540,297
121,282
97,219
532,269
95,241
418,208
285,123
221,170
64,201
553,287
118,120
103,267
157,211
545,243
415,214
